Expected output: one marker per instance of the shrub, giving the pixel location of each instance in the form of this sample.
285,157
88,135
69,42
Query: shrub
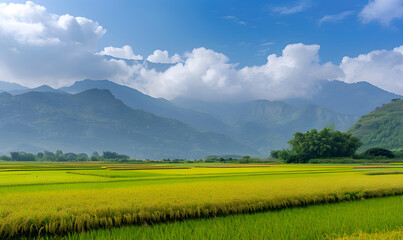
378,152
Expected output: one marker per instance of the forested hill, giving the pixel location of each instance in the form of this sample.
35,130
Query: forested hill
382,127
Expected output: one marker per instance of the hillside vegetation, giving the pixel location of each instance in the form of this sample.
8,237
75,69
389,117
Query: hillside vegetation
382,127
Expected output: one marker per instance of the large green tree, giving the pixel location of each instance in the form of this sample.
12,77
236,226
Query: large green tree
320,144
325,143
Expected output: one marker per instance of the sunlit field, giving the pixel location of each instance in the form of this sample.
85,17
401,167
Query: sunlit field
42,199
378,219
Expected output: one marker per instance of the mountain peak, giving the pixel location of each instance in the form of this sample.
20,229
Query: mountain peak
354,99
9,86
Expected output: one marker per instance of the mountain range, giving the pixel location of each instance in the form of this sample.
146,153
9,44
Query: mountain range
159,106
354,99
188,128
263,124
94,120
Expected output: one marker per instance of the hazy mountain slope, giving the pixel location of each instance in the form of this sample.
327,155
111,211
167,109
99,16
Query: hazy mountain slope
157,106
267,125
7,86
382,127
96,120
43,88
354,99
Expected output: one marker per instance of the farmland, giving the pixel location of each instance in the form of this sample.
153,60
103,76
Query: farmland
47,199
323,221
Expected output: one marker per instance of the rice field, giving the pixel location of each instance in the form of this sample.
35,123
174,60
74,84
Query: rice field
378,219
42,199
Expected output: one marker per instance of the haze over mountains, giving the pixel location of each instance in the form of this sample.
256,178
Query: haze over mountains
80,118
355,99
95,120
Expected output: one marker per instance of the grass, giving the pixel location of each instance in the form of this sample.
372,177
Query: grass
367,219
81,197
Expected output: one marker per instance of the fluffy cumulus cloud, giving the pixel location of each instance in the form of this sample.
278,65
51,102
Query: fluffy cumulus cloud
381,68
162,57
126,52
38,47
383,11
294,74
208,75
32,24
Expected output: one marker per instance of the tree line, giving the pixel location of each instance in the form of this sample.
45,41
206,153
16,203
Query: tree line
59,156
328,143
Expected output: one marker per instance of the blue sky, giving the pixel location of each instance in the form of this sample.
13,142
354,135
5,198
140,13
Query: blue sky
238,29
211,50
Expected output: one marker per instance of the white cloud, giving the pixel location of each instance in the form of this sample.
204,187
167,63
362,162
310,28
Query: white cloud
300,7
31,24
44,48
208,75
38,47
235,20
267,44
381,68
204,74
336,17
126,52
162,57
293,74
383,11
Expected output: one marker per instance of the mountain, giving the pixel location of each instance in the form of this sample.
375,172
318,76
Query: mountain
95,120
382,127
267,125
158,106
7,86
348,98
43,88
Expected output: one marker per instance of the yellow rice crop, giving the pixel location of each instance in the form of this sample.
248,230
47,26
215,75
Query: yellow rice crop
176,194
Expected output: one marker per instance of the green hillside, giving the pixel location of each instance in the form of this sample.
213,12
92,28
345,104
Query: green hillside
382,127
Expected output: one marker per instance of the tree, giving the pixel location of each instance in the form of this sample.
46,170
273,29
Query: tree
323,144
14,155
114,155
21,156
5,158
110,155
274,153
40,155
82,157
378,152
95,154
49,156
